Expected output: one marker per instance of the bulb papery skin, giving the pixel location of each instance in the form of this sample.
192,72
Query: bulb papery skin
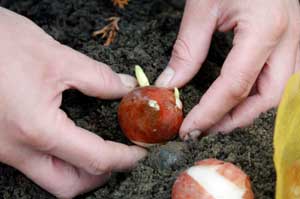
149,115
212,179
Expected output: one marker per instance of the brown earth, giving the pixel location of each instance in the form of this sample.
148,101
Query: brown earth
148,29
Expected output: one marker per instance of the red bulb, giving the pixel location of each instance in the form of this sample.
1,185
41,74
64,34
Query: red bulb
212,179
150,115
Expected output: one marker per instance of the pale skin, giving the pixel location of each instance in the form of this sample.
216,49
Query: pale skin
37,138
264,55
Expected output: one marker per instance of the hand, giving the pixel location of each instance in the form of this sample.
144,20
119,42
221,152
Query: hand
36,136
264,54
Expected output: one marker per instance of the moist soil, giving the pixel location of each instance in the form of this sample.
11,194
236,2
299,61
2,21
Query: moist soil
148,29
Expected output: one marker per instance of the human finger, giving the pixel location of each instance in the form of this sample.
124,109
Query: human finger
238,75
94,78
87,150
192,44
57,176
270,85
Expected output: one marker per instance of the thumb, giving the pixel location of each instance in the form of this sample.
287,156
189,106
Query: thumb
94,78
192,44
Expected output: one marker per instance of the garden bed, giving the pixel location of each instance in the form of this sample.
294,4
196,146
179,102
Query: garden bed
148,29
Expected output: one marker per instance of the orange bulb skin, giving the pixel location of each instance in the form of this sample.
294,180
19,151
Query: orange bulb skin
185,187
149,115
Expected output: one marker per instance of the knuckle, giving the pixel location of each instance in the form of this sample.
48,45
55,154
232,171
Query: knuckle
36,133
271,29
63,64
182,50
97,167
205,122
34,136
279,23
239,88
67,188
104,75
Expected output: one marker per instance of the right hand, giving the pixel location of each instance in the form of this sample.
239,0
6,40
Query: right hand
36,136
264,55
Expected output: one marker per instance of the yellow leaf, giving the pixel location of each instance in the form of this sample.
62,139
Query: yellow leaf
287,142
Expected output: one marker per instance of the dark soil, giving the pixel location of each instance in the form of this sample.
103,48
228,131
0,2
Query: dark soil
148,29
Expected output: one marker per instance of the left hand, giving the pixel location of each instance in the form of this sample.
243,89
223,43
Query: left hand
36,136
264,54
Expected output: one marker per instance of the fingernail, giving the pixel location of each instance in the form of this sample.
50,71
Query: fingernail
193,135
128,81
165,78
